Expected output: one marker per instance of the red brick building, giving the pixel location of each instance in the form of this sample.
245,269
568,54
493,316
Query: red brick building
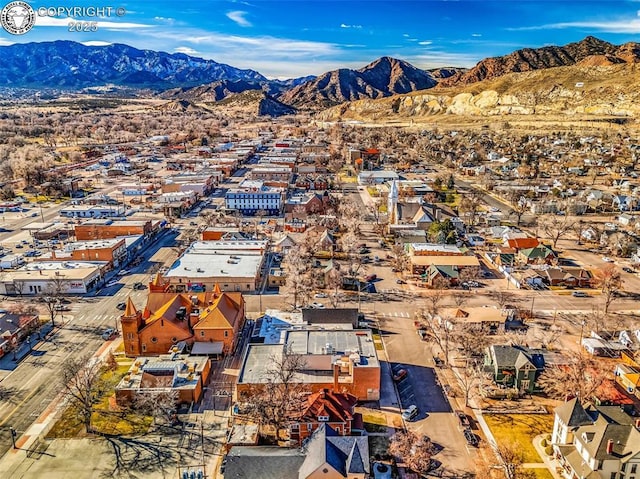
171,318
326,407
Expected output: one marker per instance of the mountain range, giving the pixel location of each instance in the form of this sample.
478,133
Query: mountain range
175,77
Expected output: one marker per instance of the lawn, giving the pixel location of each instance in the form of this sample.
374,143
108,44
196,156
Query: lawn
541,473
105,419
519,430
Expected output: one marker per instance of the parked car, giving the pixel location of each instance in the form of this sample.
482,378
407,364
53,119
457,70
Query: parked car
123,272
321,295
400,281
138,286
626,269
121,306
109,333
471,438
463,419
400,375
606,259
62,307
580,294
317,305
371,277
113,282
410,413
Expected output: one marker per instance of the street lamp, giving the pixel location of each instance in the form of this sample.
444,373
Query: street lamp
14,434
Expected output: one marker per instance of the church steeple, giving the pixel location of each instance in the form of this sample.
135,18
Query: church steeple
392,203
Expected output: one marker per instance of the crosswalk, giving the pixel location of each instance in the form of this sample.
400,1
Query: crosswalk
400,314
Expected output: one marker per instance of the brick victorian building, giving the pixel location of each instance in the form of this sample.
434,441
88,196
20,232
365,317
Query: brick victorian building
212,319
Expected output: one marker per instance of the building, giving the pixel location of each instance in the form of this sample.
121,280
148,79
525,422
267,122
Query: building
90,211
344,360
14,328
168,319
184,374
278,174
201,183
327,455
95,229
596,442
254,196
70,277
325,407
377,177
112,251
232,265
514,366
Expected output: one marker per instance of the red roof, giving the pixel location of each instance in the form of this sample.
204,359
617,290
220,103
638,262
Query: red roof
523,243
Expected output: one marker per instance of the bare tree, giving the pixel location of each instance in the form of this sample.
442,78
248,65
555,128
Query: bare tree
439,330
470,204
579,377
609,281
512,458
334,282
503,298
413,450
51,296
297,267
83,386
280,397
399,258
519,205
556,227
160,404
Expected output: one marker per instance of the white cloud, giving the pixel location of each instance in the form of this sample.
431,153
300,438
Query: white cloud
185,50
426,42
345,25
476,34
613,26
437,59
238,16
96,43
166,20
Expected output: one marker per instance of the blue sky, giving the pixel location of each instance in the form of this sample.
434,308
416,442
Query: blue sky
293,38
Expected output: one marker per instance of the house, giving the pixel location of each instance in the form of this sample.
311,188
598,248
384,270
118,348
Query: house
627,373
514,366
571,276
596,442
326,454
626,219
184,374
540,254
325,407
213,318
623,202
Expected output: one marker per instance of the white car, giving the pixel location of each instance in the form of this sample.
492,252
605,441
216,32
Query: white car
123,272
113,282
606,259
317,305
321,295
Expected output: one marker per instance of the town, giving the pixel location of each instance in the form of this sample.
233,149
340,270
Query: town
287,298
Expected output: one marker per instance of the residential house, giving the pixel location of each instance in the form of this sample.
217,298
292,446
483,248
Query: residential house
596,442
571,276
624,202
514,366
540,254
325,407
214,318
326,454
627,373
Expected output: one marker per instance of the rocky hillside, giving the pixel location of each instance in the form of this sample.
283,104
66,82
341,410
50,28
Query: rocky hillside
567,91
590,49
253,102
215,91
384,77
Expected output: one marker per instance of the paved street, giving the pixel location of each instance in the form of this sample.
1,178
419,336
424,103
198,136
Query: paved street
34,383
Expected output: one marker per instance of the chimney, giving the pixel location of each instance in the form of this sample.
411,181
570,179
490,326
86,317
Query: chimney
638,422
609,446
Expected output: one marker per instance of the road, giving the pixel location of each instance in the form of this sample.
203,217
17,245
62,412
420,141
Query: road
34,383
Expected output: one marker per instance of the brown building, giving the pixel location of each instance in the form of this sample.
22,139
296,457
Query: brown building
171,318
338,359
106,229
325,407
113,251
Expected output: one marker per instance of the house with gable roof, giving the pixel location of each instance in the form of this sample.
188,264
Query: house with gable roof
596,442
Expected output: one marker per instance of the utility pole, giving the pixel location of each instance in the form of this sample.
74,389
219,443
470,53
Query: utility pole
14,434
